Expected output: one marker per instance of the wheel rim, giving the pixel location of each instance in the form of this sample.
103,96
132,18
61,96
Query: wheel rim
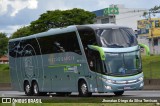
27,88
35,89
84,88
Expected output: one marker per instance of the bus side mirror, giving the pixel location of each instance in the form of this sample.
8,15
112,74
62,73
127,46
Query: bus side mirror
146,48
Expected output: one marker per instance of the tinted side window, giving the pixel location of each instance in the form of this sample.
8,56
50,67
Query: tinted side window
72,44
28,47
66,42
13,48
87,36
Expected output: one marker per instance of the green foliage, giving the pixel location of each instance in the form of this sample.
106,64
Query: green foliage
24,31
151,11
58,18
4,73
3,44
151,66
4,67
154,9
145,14
54,19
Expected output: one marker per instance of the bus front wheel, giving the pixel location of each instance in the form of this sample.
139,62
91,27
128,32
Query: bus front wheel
119,93
83,89
27,89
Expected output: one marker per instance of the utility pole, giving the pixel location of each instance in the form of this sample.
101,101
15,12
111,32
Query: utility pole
152,39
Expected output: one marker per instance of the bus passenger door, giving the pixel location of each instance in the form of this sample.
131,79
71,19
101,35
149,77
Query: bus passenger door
95,65
99,75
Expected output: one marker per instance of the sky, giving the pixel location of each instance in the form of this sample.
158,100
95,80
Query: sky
18,13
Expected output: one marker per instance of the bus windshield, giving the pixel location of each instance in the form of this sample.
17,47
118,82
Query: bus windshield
123,63
117,38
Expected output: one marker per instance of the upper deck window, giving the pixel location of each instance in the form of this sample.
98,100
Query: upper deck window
117,38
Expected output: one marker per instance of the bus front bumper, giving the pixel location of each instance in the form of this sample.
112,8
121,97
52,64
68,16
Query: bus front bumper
109,87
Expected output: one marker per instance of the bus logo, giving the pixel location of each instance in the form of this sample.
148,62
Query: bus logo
6,100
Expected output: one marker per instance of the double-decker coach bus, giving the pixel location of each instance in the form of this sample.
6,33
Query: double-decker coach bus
81,58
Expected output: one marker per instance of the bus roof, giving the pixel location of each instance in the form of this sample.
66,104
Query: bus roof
67,29
97,26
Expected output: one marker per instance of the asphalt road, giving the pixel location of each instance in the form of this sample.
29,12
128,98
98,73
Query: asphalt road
148,93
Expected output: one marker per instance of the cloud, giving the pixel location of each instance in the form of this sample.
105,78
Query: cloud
32,4
17,13
89,5
3,6
16,6
10,29
129,3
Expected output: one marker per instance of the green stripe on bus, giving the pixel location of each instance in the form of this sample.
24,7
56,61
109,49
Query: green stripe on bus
102,54
63,65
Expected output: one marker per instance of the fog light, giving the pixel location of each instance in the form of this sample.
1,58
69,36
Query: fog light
141,85
108,87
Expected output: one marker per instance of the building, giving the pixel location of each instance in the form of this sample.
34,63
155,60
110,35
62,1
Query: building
119,15
149,33
4,60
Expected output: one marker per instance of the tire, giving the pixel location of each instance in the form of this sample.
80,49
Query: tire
35,89
83,89
27,89
119,93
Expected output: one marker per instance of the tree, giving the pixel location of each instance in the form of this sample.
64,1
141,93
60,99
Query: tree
3,44
152,11
24,31
54,19
58,18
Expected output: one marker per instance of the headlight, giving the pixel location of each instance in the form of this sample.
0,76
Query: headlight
110,81
108,87
141,78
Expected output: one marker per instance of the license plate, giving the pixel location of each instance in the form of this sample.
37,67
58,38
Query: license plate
127,87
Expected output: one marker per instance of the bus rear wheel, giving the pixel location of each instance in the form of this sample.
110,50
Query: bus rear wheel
35,89
119,93
27,89
83,89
